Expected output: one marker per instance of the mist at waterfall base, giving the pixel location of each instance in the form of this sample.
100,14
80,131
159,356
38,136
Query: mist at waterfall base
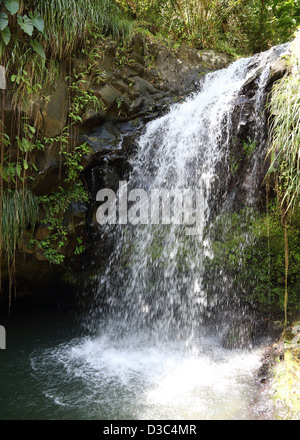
153,335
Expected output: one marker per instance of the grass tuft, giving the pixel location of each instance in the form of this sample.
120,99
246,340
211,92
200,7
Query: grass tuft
19,212
285,132
70,23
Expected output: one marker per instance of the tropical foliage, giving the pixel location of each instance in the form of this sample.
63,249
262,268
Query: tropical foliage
37,36
242,26
285,132
284,150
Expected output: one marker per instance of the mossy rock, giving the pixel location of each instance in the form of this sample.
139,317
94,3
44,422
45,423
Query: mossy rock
238,335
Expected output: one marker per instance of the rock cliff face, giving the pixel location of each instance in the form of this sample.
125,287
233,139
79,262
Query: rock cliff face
133,86
248,130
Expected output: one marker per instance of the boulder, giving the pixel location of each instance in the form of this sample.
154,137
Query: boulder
108,95
138,67
239,334
213,61
278,69
42,232
108,62
121,86
138,58
55,111
143,87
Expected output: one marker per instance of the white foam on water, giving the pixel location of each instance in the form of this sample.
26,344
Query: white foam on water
148,382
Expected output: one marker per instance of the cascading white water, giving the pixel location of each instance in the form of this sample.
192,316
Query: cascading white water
153,284
151,356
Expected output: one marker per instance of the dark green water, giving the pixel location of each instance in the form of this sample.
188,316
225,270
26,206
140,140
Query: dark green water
50,371
22,395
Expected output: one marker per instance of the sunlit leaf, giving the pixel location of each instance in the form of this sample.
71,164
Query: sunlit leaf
37,21
6,35
25,24
3,20
38,48
12,6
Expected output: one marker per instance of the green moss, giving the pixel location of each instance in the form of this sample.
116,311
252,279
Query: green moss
250,247
249,147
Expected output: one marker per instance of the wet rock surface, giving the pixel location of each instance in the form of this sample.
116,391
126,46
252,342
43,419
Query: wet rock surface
279,374
239,334
132,90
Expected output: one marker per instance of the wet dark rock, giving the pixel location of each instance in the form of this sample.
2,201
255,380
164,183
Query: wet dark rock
133,94
142,106
55,111
138,67
247,170
279,69
121,86
79,209
238,335
142,86
93,117
138,58
126,72
104,138
137,106
47,181
42,232
107,94
272,352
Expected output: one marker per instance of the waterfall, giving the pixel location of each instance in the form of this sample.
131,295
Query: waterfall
153,343
153,285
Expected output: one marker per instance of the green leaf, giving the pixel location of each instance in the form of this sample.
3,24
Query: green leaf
4,173
3,20
18,169
38,48
6,35
25,24
37,21
32,129
24,144
12,6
